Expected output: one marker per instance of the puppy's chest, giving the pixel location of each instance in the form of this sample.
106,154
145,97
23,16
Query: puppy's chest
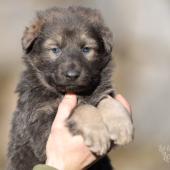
49,105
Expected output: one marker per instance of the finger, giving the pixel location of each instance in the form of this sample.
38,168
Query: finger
64,109
124,102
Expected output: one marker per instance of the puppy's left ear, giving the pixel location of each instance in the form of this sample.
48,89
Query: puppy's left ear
30,34
107,39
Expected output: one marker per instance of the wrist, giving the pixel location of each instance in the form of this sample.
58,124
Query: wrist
59,165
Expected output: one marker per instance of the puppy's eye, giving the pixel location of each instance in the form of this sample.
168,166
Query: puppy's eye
86,50
56,50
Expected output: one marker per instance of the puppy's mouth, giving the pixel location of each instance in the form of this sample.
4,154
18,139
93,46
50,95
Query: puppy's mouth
74,88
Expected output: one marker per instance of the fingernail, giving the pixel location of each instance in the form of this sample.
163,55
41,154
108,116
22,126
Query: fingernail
69,96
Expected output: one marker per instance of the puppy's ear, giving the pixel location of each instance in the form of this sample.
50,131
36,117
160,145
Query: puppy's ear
30,34
107,39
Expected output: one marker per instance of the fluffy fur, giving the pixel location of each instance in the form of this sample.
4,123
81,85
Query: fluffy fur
56,64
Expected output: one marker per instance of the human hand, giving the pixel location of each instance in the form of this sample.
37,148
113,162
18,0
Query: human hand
124,102
63,150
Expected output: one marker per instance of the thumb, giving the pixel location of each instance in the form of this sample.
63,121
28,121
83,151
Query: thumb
64,109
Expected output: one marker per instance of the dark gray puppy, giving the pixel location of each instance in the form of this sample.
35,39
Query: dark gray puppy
65,50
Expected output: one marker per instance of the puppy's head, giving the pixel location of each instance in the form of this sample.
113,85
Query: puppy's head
68,48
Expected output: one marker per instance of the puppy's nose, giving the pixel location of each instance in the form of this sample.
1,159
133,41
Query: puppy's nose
72,74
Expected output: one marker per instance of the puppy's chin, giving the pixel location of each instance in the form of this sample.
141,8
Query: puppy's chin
81,88
75,89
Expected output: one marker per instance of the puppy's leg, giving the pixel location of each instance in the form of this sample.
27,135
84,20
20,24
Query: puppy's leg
38,130
87,121
20,155
117,120
28,138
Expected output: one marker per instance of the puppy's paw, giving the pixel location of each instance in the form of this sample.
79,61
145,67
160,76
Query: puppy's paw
121,130
87,122
117,120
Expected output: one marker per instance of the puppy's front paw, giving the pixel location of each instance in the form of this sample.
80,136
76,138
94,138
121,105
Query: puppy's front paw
87,122
117,120
121,130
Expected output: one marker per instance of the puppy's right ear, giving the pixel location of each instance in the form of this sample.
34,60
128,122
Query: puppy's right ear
30,35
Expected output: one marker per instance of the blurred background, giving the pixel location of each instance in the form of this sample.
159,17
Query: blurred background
141,31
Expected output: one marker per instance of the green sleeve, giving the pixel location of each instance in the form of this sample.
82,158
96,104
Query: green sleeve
43,167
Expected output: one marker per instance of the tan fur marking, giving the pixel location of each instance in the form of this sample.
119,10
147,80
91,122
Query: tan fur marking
31,33
89,41
49,44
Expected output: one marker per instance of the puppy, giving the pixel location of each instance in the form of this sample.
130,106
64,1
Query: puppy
66,50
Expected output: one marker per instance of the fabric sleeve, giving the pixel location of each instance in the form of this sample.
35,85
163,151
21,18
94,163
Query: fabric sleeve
43,167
